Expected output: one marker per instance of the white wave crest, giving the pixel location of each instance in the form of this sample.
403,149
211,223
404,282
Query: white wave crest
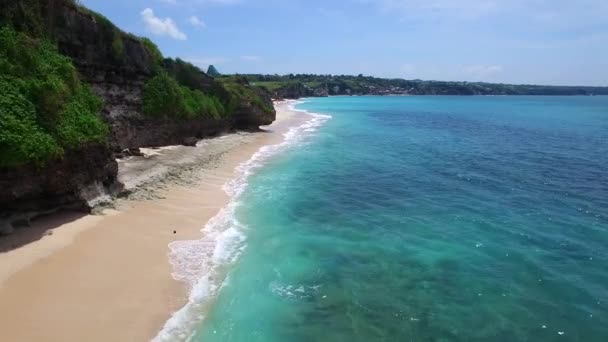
202,263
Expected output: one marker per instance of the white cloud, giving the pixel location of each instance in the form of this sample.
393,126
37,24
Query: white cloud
251,58
161,27
195,21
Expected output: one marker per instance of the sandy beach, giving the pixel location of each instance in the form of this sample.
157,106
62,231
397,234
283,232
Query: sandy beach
107,277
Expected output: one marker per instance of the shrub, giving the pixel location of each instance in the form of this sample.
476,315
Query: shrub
21,138
164,97
239,91
79,123
43,106
197,104
46,78
187,74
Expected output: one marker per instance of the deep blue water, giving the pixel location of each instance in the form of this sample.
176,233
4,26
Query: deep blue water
428,218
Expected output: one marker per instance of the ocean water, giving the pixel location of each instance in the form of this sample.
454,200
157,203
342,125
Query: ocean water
424,218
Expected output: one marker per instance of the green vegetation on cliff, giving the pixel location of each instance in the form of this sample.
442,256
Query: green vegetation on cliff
153,50
181,90
240,89
44,108
161,95
38,18
43,19
165,97
188,75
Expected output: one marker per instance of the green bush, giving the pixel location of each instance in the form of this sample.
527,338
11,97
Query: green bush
43,106
187,74
197,104
246,92
78,123
21,138
164,97
193,102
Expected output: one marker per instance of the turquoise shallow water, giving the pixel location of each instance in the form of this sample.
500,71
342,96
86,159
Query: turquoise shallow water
427,219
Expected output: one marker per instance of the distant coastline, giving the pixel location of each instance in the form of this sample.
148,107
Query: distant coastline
305,85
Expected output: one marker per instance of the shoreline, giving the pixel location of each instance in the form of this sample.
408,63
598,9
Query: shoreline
224,236
110,273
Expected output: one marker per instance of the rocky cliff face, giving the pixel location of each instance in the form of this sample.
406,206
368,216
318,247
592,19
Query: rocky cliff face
117,66
248,116
81,180
120,80
137,132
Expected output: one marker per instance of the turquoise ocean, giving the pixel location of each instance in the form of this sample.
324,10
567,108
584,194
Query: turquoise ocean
420,218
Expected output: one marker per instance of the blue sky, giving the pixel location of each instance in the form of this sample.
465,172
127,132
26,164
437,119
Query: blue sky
511,41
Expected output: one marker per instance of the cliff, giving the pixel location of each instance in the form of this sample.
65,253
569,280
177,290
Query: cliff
119,78
254,104
118,67
80,180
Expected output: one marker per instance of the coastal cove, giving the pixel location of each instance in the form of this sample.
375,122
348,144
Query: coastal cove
401,171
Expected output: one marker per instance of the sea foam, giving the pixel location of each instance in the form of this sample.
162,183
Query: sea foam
202,264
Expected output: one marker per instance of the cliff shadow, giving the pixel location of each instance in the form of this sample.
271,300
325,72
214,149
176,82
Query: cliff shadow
257,130
37,229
